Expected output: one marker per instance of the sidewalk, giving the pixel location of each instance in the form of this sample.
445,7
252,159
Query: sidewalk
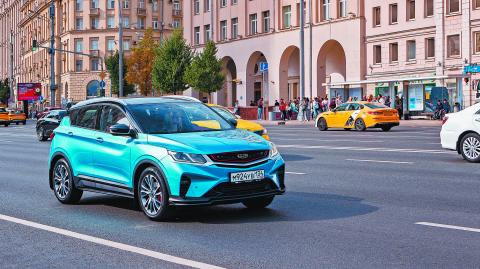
407,123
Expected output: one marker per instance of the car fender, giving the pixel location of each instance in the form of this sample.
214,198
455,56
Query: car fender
58,153
151,161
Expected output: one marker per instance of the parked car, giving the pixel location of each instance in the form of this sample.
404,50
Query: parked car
17,116
4,119
45,111
157,151
359,116
48,123
461,132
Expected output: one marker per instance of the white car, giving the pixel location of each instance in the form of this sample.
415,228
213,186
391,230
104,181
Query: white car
460,132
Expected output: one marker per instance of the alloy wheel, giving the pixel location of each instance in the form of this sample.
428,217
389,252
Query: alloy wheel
471,148
151,194
61,180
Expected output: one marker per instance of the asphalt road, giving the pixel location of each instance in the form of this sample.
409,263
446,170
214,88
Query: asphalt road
354,200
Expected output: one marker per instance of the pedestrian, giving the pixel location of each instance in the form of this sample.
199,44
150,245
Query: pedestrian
293,109
283,109
236,108
350,99
277,103
316,107
252,103
332,104
381,99
387,101
399,106
325,104
260,109
446,106
308,109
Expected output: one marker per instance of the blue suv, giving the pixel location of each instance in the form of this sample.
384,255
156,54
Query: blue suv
163,152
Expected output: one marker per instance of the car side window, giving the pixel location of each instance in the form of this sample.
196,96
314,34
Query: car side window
353,107
87,117
342,107
110,116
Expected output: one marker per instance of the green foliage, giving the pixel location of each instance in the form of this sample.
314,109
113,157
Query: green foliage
205,72
111,63
4,91
171,61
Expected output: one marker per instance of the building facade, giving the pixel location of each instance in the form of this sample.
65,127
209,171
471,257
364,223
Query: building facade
355,48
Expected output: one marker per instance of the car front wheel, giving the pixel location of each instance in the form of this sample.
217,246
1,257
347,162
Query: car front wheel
322,124
152,194
41,134
258,203
470,147
360,125
63,185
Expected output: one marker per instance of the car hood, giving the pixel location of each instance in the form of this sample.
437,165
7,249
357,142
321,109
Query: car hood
209,142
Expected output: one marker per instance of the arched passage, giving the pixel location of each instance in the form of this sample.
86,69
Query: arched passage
93,88
228,94
257,81
331,66
290,73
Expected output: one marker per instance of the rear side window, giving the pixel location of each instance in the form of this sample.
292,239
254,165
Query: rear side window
86,117
373,105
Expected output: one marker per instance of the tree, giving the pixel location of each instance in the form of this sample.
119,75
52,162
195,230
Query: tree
4,91
205,72
140,63
111,63
172,59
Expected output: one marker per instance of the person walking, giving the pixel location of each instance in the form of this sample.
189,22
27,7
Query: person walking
260,109
283,109
308,109
293,110
316,107
387,101
399,106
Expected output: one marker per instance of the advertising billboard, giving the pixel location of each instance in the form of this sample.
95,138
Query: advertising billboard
29,91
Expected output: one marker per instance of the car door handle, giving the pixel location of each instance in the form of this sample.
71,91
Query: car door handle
99,140
70,134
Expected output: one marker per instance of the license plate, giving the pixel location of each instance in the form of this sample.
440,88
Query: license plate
247,176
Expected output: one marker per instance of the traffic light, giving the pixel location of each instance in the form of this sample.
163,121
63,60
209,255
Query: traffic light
34,45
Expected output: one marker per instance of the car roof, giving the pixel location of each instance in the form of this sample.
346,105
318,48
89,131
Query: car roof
136,100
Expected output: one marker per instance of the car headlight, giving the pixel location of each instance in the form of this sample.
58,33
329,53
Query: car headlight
273,150
187,157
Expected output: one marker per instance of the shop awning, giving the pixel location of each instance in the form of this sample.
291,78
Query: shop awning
333,84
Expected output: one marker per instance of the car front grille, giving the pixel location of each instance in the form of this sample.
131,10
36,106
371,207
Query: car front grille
239,156
239,189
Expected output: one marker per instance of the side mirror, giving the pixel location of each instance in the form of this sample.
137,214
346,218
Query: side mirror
233,122
237,116
122,130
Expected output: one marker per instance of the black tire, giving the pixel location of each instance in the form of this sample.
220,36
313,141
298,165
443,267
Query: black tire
41,134
16,123
24,122
5,124
322,124
258,203
386,128
63,184
360,125
470,154
148,208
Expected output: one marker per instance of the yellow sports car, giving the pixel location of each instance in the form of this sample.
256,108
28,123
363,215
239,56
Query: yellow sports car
241,124
359,116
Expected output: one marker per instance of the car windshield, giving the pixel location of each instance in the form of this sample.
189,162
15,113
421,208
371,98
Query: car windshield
374,106
177,117
224,113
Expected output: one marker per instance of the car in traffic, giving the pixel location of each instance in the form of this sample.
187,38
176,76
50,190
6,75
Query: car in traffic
241,124
461,132
359,116
48,123
45,111
17,116
159,152
4,119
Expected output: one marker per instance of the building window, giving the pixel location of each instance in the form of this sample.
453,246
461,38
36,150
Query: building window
177,23
196,7
111,4
253,24
141,4
196,35
235,28
78,5
453,45
126,44
110,22
223,3
207,33
430,48
110,44
126,22
94,63
223,30
141,23
393,13
155,23
126,4
94,44
410,10
342,8
476,4
94,23
393,52
78,24
94,4
287,16
234,2
266,21
377,54
411,50
428,8
453,6
477,42
155,5
78,45
376,17
326,10
206,5
78,65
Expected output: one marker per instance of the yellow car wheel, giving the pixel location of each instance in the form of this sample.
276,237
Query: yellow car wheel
360,125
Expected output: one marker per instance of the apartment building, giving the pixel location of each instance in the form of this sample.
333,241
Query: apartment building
258,41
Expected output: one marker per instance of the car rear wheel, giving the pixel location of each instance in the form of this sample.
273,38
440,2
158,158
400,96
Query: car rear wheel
258,203
63,185
152,194
24,122
16,123
5,124
386,128
470,147
41,134
360,125
322,124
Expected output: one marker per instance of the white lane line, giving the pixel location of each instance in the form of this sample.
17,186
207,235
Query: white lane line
295,173
377,161
331,140
100,241
428,151
461,228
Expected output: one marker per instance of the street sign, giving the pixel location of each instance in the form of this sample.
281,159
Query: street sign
263,66
102,84
471,69
102,75
40,98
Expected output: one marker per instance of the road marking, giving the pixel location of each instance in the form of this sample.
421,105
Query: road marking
468,229
377,161
113,244
332,140
295,173
428,151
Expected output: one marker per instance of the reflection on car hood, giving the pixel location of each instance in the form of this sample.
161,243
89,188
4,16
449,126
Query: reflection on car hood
209,142
248,125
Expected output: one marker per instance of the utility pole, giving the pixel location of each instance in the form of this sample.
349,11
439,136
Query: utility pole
302,49
310,64
10,69
52,53
120,49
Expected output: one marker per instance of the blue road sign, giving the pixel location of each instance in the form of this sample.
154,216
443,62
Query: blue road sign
102,84
471,69
40,98
263,66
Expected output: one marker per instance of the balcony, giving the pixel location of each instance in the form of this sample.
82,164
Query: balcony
95,11
141,11
177,12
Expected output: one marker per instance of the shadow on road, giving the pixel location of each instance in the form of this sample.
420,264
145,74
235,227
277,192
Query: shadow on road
295,157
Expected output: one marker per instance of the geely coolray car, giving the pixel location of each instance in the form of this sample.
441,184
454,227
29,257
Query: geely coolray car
163,152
